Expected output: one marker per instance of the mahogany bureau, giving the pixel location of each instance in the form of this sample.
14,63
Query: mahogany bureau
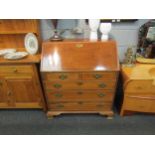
79,76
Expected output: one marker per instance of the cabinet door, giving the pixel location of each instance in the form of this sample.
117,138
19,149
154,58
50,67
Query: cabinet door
3,93
23,91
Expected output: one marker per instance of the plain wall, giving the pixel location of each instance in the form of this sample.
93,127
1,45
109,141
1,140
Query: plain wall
126,34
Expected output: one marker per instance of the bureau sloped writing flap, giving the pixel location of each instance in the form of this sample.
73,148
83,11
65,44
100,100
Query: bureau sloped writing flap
79,56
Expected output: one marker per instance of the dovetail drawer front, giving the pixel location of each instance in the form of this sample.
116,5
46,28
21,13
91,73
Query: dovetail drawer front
99,76
61,76
80,95
139,104
140,86
15,69
57,85
80,106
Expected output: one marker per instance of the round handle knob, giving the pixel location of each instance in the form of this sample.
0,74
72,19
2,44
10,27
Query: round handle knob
15,70
80,93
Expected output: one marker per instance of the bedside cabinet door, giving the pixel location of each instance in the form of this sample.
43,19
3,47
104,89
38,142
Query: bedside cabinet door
3,93
23,92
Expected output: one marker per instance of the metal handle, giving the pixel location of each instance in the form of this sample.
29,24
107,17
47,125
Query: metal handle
63,77
57,85
101,95
97,76
58,95
102,85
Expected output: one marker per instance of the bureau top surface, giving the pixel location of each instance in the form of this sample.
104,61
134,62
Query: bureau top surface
73,55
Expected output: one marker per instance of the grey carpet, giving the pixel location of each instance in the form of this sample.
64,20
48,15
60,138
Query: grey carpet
34,122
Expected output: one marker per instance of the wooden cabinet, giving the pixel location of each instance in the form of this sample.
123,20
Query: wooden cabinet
20,88
79,76
20,85
139,89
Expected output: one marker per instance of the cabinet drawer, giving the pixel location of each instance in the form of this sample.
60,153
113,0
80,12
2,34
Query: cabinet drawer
80,95
99,76
139,104
15,69
60,76
80,106
140,86
79,85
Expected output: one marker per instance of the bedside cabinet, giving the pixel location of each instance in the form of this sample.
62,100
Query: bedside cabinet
79,76
139,89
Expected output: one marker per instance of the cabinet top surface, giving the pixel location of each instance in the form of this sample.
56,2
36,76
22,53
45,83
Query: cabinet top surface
79,55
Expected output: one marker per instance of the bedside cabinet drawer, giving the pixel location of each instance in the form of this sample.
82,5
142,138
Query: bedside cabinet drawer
79,85
79,95
111,76
80,106
140,86
61,76
15,69
139,104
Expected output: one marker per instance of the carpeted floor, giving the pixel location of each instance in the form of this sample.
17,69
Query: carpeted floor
34,122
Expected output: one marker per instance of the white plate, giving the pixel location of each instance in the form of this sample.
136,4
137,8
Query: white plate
15,56
7,51
31,43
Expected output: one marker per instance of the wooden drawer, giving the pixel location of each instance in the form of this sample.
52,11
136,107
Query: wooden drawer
80,106
79,85
99,76
139,104
60,76
15,69
80,95
140,86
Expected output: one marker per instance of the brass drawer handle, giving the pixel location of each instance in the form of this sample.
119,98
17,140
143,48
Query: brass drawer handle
63,77
102,85
80,83
60,106
57,85
101,95
97,76
58,95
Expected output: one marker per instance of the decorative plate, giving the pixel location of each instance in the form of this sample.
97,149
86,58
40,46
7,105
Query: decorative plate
16,55
31,43
7,51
